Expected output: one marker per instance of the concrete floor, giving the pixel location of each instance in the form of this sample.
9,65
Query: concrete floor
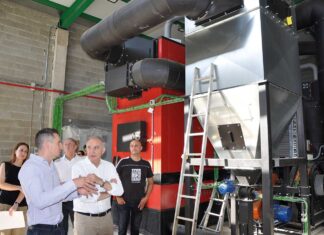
226,231
318,231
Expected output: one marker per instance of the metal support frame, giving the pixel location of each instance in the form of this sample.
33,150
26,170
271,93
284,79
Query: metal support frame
62,8
266,163
301,145
73,12
266,156
234,224
304,181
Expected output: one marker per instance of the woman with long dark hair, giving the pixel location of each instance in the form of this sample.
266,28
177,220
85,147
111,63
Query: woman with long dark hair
11,196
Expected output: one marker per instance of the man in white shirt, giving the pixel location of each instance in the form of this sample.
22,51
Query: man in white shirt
92,213
63,166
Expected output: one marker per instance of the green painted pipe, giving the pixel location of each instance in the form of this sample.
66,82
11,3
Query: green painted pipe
59,102
159,101
304,215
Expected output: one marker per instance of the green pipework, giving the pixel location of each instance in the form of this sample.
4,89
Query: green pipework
59,102
304,216
58,114
73,12
159,101
216,170
85,91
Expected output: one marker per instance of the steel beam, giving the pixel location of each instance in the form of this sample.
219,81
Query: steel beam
63,8
230,163
266,157
73,12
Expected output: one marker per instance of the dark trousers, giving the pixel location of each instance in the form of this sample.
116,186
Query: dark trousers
43,229
67,208
126,212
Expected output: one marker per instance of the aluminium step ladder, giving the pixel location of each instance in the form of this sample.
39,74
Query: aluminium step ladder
221,215
187,155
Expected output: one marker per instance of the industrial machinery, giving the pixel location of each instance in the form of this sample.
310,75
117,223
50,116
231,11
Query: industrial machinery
254,109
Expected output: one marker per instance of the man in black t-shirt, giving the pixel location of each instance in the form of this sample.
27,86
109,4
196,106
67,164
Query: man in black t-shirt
134,172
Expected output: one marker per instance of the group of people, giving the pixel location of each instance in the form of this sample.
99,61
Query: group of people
74,186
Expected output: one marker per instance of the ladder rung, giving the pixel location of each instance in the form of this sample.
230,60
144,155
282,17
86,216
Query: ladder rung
214,214
191,175
200,95
188,196
203,78
198,114
184,218
197,134
218,200
209,229
194,154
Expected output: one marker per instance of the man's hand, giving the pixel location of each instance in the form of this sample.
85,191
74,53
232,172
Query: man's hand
13,208
142,203
120,201
94,178
107,186
86,183
84,192
113,181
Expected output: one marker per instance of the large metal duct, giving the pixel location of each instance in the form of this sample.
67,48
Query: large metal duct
311,13
135,18
167,74
253,46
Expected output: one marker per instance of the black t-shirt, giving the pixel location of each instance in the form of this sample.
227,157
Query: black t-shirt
133,176
11,174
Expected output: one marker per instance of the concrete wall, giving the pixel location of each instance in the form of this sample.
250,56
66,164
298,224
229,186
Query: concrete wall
81,72
27,37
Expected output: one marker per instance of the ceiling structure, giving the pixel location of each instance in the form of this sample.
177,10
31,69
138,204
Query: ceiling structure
95,10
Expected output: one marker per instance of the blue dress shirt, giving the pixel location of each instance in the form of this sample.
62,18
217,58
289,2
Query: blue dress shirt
43,191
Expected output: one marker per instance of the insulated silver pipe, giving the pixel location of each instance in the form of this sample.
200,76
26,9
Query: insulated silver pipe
134,18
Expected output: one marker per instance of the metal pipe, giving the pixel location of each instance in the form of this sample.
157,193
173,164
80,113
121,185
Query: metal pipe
59,102
134,18
168,26
313,67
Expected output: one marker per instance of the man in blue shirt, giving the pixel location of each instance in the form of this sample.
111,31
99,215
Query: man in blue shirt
42,188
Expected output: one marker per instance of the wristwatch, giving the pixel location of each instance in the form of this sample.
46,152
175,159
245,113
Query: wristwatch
16,203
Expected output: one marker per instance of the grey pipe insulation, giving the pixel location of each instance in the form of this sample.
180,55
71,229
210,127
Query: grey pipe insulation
134,18
166,73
